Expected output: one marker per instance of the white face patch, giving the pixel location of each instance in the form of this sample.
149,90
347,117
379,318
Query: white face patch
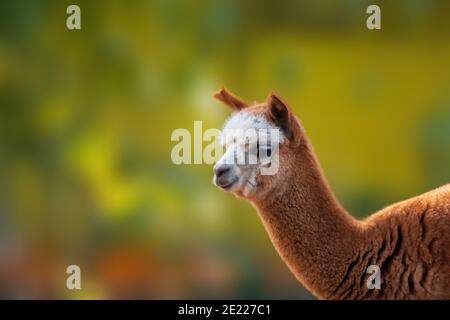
246,121
246,137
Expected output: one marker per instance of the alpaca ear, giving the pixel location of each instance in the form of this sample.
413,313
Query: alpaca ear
280,114
230,99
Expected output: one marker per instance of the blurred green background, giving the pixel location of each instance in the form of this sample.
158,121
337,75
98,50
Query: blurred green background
86,118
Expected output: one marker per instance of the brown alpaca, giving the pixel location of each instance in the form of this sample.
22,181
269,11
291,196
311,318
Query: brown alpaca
327,249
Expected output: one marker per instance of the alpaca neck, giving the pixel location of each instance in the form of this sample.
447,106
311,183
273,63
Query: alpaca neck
313,234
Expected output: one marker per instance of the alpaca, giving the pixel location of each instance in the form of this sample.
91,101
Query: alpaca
326,248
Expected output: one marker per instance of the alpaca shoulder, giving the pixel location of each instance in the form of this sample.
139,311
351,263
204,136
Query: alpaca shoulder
410,242
435,202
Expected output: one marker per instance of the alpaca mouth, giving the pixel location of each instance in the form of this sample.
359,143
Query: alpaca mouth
225,185
229,185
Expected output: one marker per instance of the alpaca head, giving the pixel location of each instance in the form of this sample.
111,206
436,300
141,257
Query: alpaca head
259,141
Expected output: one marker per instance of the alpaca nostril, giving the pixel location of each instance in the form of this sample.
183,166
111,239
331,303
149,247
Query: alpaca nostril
221,170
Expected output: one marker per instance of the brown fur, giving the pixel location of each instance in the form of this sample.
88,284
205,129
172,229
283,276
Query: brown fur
329,251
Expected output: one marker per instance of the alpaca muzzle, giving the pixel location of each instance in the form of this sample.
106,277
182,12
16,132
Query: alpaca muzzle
224,176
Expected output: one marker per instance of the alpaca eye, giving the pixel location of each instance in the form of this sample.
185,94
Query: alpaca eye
269,150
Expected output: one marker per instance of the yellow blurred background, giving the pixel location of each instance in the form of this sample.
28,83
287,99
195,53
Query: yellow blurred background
86,117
